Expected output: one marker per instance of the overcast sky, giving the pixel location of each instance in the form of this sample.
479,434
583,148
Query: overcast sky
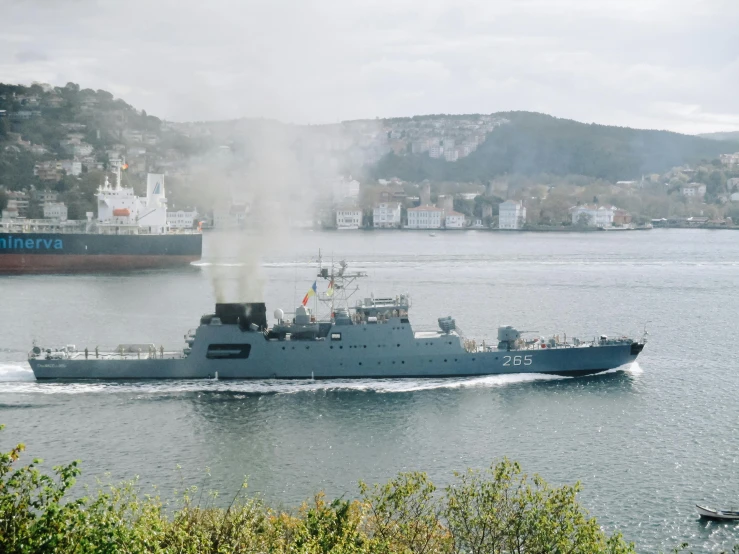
667,64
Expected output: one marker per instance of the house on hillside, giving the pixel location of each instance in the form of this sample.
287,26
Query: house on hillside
694,190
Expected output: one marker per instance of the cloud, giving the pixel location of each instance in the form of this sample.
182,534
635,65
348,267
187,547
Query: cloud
611,61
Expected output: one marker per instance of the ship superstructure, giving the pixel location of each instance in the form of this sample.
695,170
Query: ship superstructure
369,338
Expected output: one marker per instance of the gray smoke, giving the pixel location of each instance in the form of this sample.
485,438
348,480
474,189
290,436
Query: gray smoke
261,169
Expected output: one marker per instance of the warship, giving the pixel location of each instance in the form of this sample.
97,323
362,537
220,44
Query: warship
368,338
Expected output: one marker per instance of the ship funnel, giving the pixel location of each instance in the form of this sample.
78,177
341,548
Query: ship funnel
243,314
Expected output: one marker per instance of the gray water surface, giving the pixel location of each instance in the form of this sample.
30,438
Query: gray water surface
647,442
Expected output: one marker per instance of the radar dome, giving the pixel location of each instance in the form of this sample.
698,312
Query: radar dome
279,314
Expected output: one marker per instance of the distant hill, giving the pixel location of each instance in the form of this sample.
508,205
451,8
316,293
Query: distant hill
535,143
729,135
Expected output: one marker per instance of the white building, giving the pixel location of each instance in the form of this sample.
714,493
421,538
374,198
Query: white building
72,167
454,220
451,155
694,189
511,215
181,219
730,160
232,216
350,218
425,217
55,210
386,215
345,190
593,216
436,151
44,196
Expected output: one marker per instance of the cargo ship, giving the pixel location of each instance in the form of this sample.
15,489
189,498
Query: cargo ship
130,233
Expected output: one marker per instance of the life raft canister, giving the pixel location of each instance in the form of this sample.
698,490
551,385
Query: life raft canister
121,212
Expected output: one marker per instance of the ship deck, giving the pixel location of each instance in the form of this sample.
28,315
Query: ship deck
112,355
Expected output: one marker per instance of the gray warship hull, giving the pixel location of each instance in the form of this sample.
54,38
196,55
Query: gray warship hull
367,350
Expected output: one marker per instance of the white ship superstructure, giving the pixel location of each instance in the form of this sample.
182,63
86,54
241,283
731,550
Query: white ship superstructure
121,211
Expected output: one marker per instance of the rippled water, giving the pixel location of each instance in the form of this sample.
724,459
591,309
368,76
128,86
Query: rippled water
647,442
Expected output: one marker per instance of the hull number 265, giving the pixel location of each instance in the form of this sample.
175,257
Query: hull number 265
517,360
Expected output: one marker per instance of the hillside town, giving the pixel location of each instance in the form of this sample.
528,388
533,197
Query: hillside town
59,144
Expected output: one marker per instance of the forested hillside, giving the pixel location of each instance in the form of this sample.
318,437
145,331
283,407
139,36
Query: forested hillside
534,143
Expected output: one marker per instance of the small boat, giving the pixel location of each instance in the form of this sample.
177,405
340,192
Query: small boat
432,234
721,515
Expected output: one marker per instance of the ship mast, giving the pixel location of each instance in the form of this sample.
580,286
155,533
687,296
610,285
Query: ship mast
344,286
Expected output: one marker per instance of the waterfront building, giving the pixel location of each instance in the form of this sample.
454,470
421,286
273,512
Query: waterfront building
386,215
454,220
181,219
348,218
425,217
232,216
593,216
621,218
511,215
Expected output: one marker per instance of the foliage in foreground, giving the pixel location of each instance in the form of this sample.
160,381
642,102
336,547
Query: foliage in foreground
499,510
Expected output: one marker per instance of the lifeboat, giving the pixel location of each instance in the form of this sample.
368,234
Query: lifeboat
121,212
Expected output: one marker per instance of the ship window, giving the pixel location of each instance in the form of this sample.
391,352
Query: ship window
404,320
335,336
228,351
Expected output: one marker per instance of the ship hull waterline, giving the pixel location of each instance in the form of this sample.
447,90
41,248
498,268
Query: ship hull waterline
567,362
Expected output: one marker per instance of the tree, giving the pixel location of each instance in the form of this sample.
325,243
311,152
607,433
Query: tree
501,510
583,220
4,127
3,200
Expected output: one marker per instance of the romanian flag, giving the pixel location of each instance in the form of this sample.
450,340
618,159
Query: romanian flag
311,292
330,291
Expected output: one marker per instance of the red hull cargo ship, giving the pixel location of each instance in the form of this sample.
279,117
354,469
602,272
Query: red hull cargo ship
130,233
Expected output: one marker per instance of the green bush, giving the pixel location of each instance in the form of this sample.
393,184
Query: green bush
499,510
